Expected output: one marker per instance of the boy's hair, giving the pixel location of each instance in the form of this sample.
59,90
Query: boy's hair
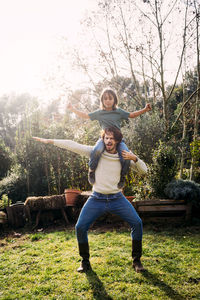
116,133
110,91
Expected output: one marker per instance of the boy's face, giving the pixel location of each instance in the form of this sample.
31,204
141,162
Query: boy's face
110,143
108,101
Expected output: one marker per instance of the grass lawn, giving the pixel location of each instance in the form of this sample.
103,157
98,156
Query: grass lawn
43,265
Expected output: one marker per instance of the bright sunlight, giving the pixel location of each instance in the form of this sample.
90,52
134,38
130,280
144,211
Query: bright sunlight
29,32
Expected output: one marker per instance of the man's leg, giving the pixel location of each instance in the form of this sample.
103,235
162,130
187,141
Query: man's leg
89,213
123,208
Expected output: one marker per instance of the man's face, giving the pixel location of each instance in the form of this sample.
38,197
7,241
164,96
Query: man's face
110,143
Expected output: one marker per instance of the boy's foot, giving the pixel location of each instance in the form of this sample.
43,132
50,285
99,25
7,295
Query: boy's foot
91,177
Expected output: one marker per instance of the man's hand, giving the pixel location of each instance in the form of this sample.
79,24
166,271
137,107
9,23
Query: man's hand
129,155
45,141
148,107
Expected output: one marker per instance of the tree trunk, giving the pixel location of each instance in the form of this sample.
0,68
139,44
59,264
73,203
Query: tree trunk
196,120
183,148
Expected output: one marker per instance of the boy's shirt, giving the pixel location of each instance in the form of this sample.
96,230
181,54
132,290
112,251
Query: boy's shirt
109,118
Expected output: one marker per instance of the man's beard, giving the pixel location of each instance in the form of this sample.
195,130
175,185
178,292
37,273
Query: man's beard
109,147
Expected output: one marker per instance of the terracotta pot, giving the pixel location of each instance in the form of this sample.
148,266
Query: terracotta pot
71,196
130,198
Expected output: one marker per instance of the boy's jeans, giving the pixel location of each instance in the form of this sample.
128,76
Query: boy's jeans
98,204
98,150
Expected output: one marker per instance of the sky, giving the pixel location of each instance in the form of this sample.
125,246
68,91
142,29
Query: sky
29,31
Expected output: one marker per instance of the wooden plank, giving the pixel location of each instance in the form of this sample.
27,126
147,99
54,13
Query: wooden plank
159,202
162,208
163,219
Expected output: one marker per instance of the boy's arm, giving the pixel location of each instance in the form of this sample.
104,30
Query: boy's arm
137,113
137,164
79,113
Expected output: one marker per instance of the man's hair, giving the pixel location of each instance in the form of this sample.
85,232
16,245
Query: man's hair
109,91
116,133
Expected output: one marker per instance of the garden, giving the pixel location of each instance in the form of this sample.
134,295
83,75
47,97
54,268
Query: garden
145,61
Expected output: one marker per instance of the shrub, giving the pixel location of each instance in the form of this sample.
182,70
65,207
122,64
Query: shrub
14,186
5,201
137,186
5,159
184,190
163,169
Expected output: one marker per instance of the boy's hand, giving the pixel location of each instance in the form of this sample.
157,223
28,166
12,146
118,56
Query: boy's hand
69,106
148,107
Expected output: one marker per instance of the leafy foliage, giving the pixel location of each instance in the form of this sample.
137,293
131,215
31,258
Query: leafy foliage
163,169
184,190
143,134
14,186
5,159
4,201
195,153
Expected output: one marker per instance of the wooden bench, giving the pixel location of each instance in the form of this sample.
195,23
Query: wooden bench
157,209
163,208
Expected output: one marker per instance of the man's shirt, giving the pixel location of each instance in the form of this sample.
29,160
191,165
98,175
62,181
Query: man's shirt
107,174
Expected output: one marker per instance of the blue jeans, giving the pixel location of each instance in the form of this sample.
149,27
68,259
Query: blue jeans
98,150
98,204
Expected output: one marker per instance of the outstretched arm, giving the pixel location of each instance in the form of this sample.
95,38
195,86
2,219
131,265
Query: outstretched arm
137,164
67,144
79,113
137,113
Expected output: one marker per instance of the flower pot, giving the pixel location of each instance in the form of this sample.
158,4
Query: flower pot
130,198
71,196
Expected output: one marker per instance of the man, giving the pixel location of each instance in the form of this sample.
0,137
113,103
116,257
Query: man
106,196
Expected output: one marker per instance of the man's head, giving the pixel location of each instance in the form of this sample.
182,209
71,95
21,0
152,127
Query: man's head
111,137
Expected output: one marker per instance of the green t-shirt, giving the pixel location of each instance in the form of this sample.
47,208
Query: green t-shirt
109,118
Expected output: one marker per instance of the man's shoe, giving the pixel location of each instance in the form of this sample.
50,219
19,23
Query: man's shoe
91,177
137,265
136,254
85,266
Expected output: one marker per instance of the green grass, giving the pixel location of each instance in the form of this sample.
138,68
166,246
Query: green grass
43,265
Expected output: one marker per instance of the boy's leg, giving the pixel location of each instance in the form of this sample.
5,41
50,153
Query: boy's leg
94,159
89,213
125,164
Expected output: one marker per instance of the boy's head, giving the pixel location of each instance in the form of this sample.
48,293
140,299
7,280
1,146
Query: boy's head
108,93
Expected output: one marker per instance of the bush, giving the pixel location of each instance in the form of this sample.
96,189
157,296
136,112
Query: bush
5,201
5,159
184,190
162,170
14,186
195,153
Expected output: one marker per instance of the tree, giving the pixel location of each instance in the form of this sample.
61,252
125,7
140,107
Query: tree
5,159
12,109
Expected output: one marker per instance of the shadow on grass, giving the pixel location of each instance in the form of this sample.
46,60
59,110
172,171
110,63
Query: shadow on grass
97,286
153,279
